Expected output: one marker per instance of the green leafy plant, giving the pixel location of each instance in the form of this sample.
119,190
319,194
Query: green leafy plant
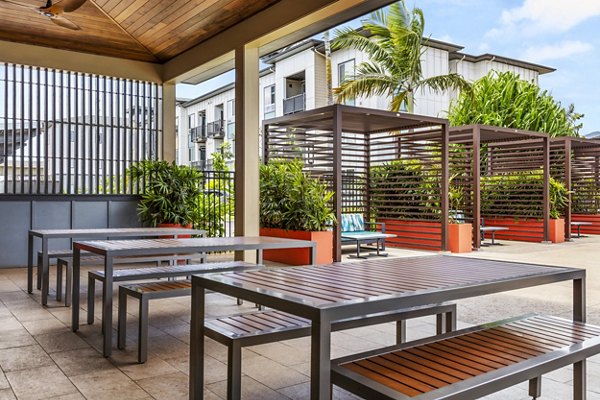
504,99
170,193
559,198
456,202
393,45
292,200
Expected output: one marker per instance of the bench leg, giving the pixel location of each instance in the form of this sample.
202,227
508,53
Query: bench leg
69,286
535,387
91,298
59,269
579,380
143,331
451,320
400,331
39,272
122,320
234,371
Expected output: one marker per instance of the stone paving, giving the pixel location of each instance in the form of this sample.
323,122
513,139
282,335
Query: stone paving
40,358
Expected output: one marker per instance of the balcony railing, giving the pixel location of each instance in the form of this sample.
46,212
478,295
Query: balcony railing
198,134
216,129
294,104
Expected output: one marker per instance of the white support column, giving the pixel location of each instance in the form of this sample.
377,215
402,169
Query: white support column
168,122
246,145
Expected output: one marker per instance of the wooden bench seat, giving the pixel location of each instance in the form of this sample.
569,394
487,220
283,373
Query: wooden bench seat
66,263
249,329
470,363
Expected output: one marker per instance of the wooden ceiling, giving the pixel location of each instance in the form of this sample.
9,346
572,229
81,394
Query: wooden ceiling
144,30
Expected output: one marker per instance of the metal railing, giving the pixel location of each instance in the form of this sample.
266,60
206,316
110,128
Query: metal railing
198,134
216,129
216,205
294,104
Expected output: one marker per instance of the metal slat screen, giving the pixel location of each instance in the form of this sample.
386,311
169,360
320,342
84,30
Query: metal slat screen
64,132
394,177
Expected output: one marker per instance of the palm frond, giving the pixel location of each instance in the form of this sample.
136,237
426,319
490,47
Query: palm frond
442,83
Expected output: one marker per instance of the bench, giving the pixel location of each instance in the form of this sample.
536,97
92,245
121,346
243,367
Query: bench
492,229
353,230
92,259
52,254
168,271
471,363
579,224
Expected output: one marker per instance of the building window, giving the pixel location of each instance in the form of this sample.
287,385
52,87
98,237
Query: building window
347,69
230,110
269,101
191,121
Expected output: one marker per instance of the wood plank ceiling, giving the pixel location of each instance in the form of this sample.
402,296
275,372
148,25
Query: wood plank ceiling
145,30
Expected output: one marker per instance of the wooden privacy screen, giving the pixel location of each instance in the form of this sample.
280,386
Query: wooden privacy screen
576,163
390,167
500,177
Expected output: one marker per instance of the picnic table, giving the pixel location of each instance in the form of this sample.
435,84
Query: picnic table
333,292
45,235
367,237
110,249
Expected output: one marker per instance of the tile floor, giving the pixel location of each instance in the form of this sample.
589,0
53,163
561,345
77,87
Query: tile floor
40,358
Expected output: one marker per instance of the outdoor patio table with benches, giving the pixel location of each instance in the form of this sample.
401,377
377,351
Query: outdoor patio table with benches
330,293
110,249
92,233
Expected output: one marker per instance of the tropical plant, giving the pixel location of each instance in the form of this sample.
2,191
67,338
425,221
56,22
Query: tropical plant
559,198
393,43
292,200
170,192
456,201
504,99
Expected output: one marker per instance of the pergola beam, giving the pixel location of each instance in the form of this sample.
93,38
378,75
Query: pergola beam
27,54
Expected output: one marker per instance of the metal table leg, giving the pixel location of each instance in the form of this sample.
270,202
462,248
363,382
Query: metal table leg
107,303
76,289
45,272
320,360
579,314
30,264
197,342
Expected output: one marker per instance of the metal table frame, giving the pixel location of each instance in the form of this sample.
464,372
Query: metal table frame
322,315
46,234
379,239
579,224
127,248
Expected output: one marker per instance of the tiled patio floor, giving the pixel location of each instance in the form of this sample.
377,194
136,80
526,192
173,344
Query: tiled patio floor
41,358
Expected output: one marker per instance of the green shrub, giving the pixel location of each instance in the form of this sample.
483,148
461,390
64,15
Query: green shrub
290,199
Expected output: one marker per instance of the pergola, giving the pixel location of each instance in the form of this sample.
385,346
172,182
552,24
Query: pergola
182,41
576,163
388,166
480,157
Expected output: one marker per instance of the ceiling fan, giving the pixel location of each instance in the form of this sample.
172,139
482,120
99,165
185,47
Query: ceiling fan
54,11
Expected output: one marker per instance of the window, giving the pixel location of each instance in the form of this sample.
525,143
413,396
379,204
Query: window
202,118
230,110
269,101
346,70
191,121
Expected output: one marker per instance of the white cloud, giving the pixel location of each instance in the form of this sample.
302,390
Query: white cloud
537,17
556,51
445,38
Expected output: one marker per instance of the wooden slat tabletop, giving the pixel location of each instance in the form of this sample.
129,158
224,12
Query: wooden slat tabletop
335,283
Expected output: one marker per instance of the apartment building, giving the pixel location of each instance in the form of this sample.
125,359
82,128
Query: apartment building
294,80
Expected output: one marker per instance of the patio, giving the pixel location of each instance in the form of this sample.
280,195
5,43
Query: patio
41,358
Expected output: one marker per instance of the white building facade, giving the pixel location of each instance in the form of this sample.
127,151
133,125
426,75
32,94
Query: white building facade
296,81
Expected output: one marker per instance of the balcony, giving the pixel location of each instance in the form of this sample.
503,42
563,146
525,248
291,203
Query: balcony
216,129
294,104
198,134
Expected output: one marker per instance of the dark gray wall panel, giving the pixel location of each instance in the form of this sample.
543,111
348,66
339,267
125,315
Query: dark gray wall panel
123,214
15,218
90,214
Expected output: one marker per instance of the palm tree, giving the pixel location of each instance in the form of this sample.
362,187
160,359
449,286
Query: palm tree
394,45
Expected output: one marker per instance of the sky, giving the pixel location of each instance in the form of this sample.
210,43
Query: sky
554,33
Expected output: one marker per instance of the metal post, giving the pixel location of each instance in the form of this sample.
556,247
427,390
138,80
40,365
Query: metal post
107,301
337,181
444,185
568,214
476,173
45,271
234,371
76,280
30,263
546,197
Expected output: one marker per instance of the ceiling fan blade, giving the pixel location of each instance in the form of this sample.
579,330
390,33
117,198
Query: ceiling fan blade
65,23
16,3
70,5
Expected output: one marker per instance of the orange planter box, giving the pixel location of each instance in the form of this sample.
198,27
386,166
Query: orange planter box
557,230
324,241
460,238
422,235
